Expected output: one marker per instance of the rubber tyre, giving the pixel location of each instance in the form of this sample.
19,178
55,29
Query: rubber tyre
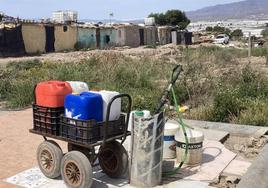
49,157
113,159
89,153
77,164
55,143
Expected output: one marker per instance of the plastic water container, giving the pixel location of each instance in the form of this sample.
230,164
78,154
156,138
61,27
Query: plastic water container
127,143
78,87
85,106
116,106
52,93
171,128
196,139
146,114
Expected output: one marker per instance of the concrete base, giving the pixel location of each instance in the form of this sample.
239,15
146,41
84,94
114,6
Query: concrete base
233,129
257,173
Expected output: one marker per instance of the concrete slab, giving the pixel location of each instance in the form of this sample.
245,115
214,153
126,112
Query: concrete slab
236,168
257,174
186,184
215,159
234,129
33,178
215,135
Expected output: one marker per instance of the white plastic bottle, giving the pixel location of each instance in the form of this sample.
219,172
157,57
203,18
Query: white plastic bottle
78,87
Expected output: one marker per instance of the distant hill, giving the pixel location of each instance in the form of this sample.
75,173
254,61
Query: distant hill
248,9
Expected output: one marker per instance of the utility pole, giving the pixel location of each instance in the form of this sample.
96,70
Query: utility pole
249,45
111,15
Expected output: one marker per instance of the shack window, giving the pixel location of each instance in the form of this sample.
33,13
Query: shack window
107,39
119,33
65,28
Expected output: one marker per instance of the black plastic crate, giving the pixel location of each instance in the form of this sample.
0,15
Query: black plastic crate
47,120
90,131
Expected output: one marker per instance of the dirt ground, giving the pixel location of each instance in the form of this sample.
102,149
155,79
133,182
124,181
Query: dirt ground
17,145
168,52
76,56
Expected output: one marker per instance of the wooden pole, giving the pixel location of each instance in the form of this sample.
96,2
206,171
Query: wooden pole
267,57
249,45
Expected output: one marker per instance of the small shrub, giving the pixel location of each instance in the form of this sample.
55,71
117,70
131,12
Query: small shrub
153,46
23,65
226,103
22,93
255,114
252,84
224,57
259,52
204,113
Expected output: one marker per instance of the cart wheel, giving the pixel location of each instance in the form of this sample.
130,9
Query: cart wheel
76,170
49,157
89,153
113,159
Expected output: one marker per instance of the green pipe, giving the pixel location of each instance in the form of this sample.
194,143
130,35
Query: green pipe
183,125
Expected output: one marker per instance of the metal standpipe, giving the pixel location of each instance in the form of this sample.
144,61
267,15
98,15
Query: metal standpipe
147,150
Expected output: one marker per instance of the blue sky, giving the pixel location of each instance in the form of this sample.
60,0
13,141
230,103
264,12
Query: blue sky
100,9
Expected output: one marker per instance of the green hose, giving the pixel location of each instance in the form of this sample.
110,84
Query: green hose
183,125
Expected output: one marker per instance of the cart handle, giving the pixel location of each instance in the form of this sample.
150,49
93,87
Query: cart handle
108,115
34,93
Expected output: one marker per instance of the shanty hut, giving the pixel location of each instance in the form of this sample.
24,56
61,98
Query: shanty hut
106,36
87,37
129,35
34,37
150,35
164,35
65,37
181,37
11,41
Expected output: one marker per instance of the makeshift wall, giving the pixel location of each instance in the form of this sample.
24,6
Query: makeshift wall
50,38
34,37
86,38
164,35
128,36
107,37
150,35
11,41
65,37
181,37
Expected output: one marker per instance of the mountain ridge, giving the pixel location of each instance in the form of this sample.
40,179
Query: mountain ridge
247,9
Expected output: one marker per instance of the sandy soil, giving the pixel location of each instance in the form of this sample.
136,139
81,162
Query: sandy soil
76,56
166,52
17,145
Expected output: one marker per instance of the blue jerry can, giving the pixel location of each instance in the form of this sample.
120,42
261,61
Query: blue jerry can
85,106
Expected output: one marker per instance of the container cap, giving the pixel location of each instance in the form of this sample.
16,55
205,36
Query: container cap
139,113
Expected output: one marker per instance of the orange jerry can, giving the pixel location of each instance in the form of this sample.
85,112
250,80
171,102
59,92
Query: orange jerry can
52,93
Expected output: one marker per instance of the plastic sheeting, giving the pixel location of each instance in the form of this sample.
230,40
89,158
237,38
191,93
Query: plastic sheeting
11,41
147,151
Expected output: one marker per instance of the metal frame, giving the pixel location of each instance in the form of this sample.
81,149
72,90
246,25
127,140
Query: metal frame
106,124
